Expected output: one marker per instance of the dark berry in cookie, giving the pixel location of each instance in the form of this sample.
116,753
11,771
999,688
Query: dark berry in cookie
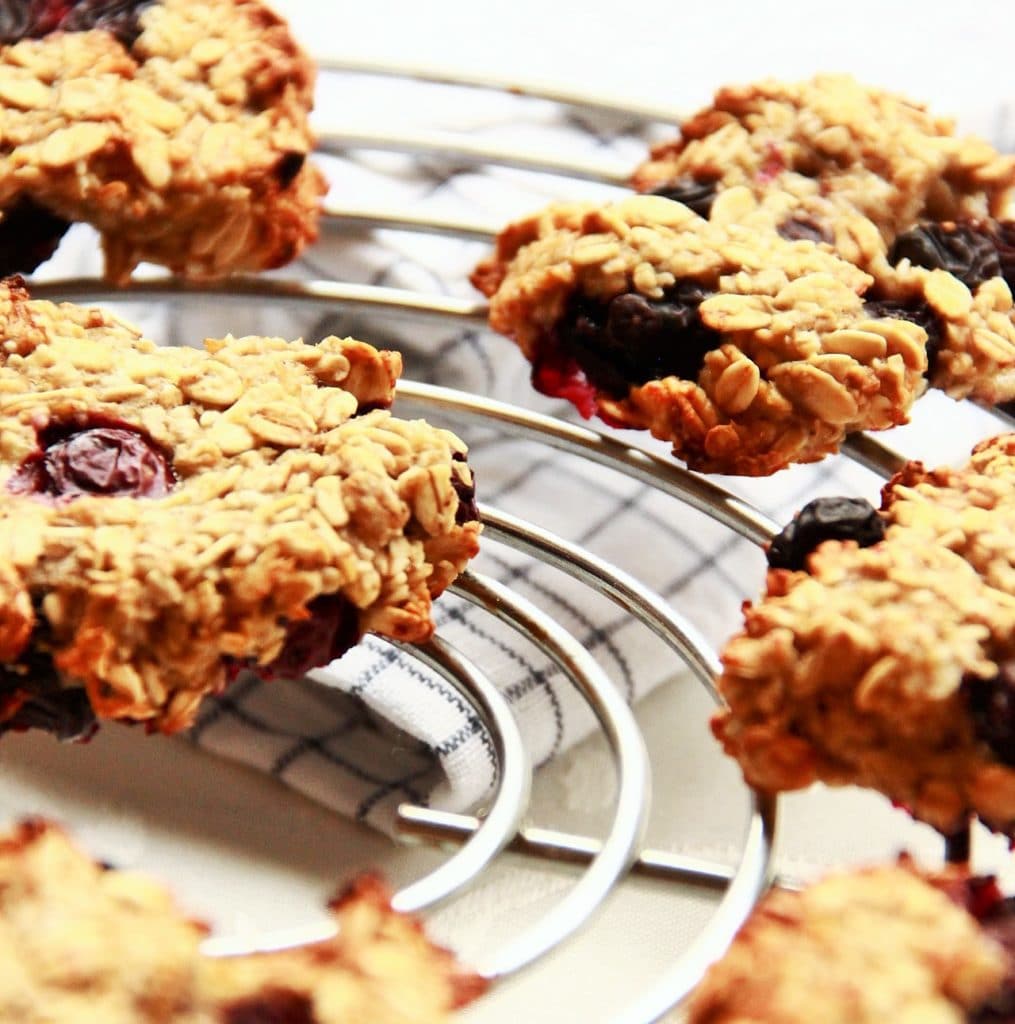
37,18
468,510
966,251
696,194
29,235
992,707
1004,244
797,229
825,519
102,459
174,515
633,339
916,312
316,641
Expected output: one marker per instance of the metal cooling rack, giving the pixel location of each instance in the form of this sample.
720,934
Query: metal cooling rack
479,840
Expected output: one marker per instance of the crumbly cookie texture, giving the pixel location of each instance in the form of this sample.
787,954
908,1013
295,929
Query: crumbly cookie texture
746,350
834,144
171,514
892,665
888,187
82,943
185,146
875,945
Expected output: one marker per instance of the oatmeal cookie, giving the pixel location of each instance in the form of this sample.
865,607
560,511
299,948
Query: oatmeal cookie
177,129
885,655
746,350
171,515
835,146
85,943
888,187
868,947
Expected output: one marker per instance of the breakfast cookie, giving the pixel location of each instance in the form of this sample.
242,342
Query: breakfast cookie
871,946
84,943
745,350
835,146
885,185
177,129
173,515
883,652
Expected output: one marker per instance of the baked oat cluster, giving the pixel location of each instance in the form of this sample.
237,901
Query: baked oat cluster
889,662
177,129
84,943
745,350
172,515
876,945
616,305
835,147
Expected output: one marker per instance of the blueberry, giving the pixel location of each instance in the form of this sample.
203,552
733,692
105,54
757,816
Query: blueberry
991,704
916,312
1004,244
633,339
468,510
271,1006
797,229
966,251
825,519
697,195
29,235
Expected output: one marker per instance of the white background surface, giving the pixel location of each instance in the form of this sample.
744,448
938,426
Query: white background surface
248,853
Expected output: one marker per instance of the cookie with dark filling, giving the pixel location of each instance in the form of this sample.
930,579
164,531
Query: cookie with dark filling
889,661
746,350
173,515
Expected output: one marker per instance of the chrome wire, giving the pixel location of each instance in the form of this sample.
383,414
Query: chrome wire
753,878
620,848
358,217
511,800
491,835
551,91
395,301
621,587
451,148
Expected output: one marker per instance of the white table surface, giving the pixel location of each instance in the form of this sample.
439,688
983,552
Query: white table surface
246,852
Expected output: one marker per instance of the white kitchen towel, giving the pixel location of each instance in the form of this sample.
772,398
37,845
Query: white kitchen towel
376,728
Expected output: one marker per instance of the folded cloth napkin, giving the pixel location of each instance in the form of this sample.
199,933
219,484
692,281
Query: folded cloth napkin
376,728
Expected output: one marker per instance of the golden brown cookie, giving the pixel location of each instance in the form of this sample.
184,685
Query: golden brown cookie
745,350
834,146
888,663
171,515
868,947
884,184
178,129
83,943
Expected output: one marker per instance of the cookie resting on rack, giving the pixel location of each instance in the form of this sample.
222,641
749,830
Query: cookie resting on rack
886,186
178,129
171,515
833,146
883,652
871,946
745,350
86,943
